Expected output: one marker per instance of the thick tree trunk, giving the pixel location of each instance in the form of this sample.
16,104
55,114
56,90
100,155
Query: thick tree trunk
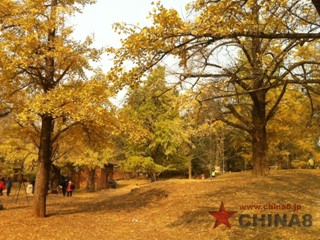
260,152
44,165
259,119
259,137
47,124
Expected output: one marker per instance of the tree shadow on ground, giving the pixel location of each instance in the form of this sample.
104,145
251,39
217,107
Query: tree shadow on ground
132,201
281,190
198,217
274,189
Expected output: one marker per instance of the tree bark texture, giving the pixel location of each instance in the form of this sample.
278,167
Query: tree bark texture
44,165
259,136
258,113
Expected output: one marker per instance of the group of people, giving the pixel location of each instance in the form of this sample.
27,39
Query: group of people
5,184
67,187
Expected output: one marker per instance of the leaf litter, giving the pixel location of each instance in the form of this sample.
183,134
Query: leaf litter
169,209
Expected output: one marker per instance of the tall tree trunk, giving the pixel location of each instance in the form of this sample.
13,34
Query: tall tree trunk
259,137
260,152
47,124
190,167
44,165
259,119
212,155
219,163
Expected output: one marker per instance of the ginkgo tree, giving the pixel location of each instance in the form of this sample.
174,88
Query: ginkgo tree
7,88
43,61
16,145
293,136
88,147
239,49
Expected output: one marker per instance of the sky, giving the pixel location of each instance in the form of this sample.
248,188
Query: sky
97,19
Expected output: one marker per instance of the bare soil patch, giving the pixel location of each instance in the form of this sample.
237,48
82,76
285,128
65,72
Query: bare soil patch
170,209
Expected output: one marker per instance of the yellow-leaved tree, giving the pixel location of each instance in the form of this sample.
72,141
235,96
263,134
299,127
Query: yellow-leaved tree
293,136
239,49
41,60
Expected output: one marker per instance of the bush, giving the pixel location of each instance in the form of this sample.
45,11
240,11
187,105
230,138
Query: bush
143,165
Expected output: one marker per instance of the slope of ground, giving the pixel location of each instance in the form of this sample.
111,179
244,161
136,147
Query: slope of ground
177,209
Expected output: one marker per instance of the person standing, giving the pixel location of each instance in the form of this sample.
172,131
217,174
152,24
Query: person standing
2,185
70,187
64,184
9,185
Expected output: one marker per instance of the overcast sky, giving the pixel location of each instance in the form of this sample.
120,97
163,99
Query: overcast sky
98,18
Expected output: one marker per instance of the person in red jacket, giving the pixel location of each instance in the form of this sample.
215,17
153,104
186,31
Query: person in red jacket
70,187
2,185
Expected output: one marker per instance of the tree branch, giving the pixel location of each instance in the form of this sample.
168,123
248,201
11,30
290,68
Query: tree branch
316,4
276,104
237,115
55,138
235,124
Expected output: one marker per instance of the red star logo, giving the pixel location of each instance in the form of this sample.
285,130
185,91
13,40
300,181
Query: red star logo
222,216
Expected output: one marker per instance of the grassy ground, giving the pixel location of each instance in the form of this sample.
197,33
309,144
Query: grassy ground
173,209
